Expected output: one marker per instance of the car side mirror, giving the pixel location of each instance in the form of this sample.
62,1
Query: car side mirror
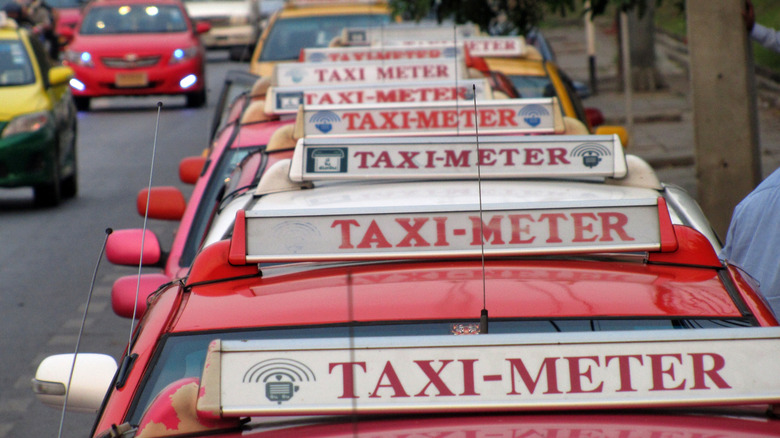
123,293
60,75
92,376
202,27
124,247
165,202
191,168
595,117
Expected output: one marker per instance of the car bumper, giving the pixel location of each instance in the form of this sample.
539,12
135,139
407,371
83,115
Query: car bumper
101,81
27,159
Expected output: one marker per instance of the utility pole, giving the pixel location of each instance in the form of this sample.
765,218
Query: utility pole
725,115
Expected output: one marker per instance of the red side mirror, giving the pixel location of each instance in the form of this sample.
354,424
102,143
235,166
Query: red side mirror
595,117
202,27
165,203
191,168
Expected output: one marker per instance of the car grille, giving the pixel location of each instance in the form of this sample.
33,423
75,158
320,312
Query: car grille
143,61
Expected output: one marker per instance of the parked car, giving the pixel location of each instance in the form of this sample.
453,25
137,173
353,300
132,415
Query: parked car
37,119
134,48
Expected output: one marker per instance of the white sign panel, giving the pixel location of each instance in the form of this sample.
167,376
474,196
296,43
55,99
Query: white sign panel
441,232
503,116
286,100
379,53
291,74
361,36
448,157
490,372
499,47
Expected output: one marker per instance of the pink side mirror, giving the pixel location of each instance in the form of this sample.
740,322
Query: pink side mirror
124,289
124,247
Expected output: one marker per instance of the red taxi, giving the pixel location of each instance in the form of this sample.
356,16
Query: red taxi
392,285
137,47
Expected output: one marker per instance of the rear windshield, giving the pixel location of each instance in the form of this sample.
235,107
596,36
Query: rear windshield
133,18
289,35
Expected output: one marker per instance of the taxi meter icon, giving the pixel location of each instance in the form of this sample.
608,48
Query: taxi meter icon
280,377
591,153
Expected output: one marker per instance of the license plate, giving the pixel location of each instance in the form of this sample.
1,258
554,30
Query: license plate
127,80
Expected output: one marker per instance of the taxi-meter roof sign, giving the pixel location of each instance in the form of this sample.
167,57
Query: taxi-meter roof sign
414,158
285,100
463,230
501,116
531,371
361,36
290,74
379,53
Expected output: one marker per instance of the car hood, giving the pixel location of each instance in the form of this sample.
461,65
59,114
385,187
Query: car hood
140,44
21,100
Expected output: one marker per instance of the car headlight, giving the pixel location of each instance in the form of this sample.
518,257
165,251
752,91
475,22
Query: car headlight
26,123
180,55
75,57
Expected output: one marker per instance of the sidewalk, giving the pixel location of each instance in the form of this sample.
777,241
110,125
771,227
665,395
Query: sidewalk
662,133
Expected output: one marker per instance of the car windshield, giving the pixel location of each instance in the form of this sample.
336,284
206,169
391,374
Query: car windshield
182,356
533,86
133,18
64,4
289,35
15,67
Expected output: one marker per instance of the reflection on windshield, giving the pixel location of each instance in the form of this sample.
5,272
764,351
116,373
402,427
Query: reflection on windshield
289,35
533,86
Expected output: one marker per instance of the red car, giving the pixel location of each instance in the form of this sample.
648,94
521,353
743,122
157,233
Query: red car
137,47
383,307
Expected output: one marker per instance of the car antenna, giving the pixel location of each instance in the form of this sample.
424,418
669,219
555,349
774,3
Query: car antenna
483,315
143,232
81,332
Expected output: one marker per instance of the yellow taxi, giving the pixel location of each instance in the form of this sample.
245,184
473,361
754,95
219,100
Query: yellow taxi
37,118
311,23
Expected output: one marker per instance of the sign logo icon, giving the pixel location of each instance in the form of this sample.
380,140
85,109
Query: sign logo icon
317,57
591,153
296,235
296,74
289,100
532,114
326,160
280,377
324,120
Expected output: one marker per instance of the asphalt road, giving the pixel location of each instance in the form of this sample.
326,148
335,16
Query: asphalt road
48,256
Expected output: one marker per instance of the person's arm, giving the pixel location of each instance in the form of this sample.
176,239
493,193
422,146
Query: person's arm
768,38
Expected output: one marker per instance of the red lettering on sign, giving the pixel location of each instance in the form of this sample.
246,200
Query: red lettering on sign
374,236
412,232
552,219
548,365
518,230
452,160
533,157
557,156
347,377
485,157
441,231
434,378
346,241
383,160
658,371
493,228
614,222
389,123
580,228
408,161
699,373
576,374
468,377
624,366
363,159
393,382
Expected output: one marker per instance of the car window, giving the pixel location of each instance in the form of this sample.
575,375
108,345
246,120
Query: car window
62,4
184,355
289,35
15,67
125,19
533,86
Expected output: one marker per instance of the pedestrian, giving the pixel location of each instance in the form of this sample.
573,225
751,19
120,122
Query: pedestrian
769,38
753,238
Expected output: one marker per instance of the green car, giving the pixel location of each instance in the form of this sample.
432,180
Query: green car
37,118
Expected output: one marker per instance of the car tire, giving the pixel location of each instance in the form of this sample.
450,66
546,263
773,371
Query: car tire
49,194
82,103
196,99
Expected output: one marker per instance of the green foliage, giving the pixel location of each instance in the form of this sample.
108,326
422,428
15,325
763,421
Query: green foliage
517,16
